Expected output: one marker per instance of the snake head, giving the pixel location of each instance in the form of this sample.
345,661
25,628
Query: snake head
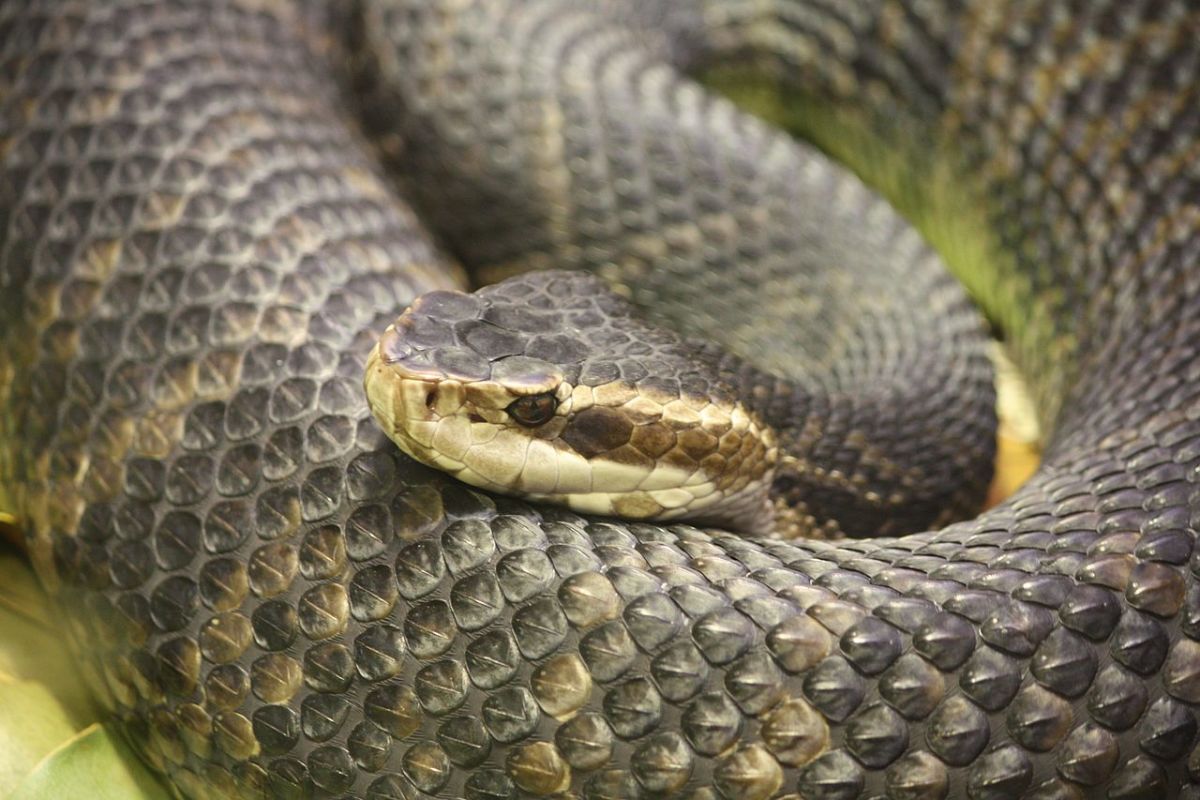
549,386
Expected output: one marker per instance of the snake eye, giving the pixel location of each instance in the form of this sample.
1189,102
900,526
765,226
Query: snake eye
534,409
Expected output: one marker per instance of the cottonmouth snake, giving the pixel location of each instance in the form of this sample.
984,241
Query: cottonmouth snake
199,249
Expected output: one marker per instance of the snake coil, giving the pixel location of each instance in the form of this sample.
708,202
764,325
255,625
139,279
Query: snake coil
198,249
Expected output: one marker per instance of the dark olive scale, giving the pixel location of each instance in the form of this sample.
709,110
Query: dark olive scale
198,253
539,628
1039,719
476,601
990,678
465,741
834,775
328,667
510,714
834,688
586,741
378,652
441,686
322,716
912,686
609,651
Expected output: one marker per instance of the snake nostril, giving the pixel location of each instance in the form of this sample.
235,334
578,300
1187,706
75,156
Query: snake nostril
431,399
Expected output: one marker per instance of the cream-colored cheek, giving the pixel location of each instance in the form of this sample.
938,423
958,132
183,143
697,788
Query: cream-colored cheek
412,396
483,433
642,410
421,431
574,474
616,477
594,503
664,476
680,415
470,476
581,397
541,468
638,505
444,463
450,398
501,460
382,401
452,437
673,498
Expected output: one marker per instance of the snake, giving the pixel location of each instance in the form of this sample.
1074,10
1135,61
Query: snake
216,217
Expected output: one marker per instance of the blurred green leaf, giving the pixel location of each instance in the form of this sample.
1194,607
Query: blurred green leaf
52,746
95,764
30,650
32,724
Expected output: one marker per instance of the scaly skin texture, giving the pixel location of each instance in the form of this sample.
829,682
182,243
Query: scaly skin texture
196,252
649,425
591,151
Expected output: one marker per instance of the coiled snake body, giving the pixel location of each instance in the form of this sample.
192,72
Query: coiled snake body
198,249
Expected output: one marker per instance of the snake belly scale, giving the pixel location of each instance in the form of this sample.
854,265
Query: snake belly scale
199,248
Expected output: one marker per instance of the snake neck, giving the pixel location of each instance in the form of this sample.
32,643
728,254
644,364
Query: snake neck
842,472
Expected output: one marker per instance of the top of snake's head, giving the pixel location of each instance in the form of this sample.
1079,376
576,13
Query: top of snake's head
550,387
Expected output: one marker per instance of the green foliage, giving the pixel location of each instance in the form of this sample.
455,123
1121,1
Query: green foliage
53,742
